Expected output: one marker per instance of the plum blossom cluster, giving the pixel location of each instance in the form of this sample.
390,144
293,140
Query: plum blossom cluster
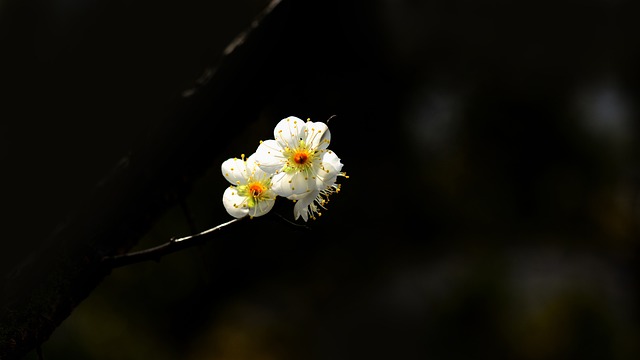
296,164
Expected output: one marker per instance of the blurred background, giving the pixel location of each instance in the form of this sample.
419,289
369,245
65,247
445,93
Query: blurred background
491,209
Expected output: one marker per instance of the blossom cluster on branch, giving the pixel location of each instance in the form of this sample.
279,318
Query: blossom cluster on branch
296,164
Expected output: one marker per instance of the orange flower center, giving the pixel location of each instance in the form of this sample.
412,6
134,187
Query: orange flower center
300,157
256,189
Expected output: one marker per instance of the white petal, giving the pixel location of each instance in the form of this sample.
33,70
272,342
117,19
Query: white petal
235,170
301,208
280,184
254,169
262,207
234,203
269,156
318,135
289,131
297,183
329,170
297,196
330,158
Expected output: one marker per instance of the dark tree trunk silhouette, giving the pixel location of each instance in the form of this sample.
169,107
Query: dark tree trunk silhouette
39,293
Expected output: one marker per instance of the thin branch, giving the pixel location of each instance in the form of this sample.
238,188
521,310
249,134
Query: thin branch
175,245
155,253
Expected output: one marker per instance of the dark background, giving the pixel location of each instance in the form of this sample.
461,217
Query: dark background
491,209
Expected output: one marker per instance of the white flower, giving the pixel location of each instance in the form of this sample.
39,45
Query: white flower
295,156
309,204
250,192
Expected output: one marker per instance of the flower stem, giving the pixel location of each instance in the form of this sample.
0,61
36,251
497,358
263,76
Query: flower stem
155,253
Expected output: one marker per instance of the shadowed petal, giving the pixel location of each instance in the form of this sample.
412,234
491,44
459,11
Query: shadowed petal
288,184
301,208
235,171
318,135
329,171
269,156
262,207
234,204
